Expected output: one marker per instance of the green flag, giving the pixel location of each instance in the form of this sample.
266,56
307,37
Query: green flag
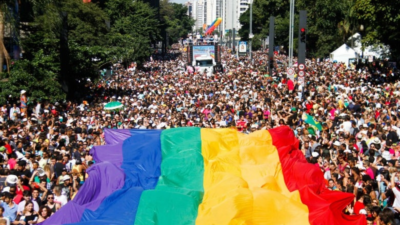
311,131
312,121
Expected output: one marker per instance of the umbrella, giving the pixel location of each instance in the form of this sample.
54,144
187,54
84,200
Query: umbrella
113,106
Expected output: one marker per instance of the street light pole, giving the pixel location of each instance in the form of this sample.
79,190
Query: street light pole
251,28
291,28
221,16
233,25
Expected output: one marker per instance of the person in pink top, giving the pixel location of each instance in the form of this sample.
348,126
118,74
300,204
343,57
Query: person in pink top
12,161
369,171
332,112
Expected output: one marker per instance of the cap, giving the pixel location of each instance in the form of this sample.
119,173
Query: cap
6,189
66,177
23,92
315,154
11,179
336,143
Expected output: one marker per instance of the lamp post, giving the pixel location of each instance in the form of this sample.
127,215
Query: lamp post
362,46
251,28
291,26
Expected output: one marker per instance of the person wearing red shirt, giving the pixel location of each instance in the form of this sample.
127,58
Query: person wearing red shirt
241,124
359,203
8,147
309,105
290,85
12,161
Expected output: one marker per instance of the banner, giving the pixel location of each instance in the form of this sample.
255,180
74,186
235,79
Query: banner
242,48
203,50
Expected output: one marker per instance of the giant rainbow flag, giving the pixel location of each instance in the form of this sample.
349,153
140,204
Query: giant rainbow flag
193,176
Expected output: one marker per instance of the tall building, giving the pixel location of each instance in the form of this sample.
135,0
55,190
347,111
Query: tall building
200,15
206,11
190,9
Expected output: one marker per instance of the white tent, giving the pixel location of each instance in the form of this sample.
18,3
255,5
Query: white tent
343,54
378,51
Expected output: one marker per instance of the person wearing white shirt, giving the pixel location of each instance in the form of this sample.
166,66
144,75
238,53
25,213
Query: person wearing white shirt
37,109
396,191
58,197
13,110
27,197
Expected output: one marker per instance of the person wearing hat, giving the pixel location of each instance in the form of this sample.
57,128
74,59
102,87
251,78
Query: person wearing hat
66,187
317,161
3,154
60,179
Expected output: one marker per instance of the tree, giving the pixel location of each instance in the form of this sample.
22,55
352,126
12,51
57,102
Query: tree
4,13
381,20
349,25
134,26
262,10
175,21
42,59
39,76
329,23
179,24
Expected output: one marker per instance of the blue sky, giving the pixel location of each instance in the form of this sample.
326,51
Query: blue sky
178,1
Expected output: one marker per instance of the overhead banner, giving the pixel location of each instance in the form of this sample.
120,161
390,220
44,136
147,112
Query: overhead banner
242,48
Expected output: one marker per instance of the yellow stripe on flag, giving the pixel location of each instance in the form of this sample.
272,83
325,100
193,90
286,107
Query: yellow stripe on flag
243,182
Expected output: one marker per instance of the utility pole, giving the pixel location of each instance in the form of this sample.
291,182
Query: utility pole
271,45
233,27
221,25
291,28
251,29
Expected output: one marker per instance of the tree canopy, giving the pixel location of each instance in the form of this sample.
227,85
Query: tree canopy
67,42
329,23
175,20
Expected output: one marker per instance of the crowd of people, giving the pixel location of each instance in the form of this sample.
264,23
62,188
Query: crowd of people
353,135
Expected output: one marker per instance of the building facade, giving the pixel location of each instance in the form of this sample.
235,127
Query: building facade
206,11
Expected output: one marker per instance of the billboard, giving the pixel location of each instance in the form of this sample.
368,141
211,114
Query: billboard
203,50
242,48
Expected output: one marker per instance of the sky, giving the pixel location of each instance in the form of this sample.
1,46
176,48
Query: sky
178,1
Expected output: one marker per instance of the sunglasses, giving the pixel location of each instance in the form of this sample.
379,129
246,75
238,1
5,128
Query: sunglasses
50,198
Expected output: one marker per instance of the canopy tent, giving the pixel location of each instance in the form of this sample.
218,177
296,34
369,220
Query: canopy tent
343,54
377,51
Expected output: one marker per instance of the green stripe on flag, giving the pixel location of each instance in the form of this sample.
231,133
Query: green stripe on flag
179,190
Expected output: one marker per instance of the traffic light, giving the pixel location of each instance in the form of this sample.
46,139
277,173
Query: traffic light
303,34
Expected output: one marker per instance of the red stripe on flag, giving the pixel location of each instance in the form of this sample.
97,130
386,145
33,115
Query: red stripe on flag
325,206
